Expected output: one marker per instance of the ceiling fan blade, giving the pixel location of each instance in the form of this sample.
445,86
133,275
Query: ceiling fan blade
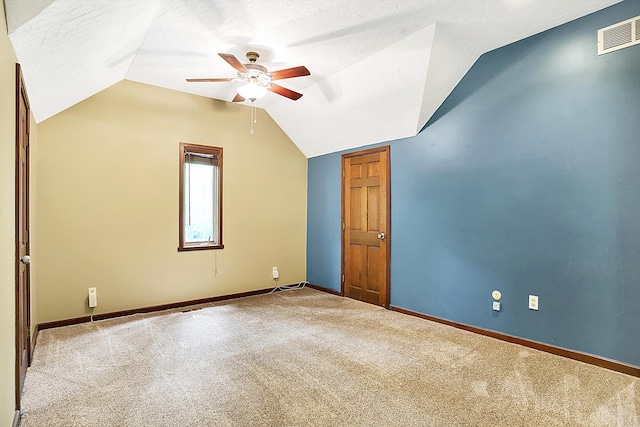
288,93
288,73
211,80
238,98
233,61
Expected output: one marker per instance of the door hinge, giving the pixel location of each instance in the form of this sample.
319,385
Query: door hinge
343,278
344,174
344,227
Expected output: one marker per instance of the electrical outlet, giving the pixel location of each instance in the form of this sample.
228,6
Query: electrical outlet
496,305
533,302
93,297
276,273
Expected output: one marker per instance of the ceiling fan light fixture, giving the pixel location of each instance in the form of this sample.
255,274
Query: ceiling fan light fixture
259,79
252,90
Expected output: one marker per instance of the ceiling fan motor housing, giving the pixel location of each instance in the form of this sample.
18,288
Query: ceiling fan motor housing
253,56
258,72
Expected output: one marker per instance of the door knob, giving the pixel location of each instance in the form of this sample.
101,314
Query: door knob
381,236
25,259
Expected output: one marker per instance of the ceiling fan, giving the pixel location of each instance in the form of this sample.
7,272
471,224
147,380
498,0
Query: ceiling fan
259,80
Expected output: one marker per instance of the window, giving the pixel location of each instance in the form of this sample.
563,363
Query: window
200,197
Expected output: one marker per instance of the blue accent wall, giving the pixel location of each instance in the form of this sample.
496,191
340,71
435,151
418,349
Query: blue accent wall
324,225
526,180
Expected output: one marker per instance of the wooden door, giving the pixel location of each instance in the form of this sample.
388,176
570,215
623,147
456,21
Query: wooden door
23,334
366,225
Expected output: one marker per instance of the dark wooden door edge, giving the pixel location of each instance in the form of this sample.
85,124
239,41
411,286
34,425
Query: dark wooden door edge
20,311
387,149
323,289
16,419
150,309
558,351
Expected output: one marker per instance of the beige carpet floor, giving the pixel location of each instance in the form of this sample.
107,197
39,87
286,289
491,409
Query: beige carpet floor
307,358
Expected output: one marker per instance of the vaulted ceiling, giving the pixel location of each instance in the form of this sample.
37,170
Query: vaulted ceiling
379,69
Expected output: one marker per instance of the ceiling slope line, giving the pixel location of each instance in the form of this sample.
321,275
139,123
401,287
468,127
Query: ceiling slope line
451,58
143,39
23,12
382,107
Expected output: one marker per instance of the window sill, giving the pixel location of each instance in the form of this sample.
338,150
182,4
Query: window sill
199,247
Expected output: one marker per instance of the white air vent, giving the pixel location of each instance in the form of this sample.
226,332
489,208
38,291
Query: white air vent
618,36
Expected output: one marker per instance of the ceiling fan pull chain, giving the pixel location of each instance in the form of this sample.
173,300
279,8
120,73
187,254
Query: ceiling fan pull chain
253,115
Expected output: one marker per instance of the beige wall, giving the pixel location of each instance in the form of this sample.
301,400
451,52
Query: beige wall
7,221
107,202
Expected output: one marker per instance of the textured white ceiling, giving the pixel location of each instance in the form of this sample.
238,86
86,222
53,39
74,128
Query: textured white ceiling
379,69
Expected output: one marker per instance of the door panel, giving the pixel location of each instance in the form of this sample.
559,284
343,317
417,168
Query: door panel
366,223
23,325
356,209
373,203
373,269
357,270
